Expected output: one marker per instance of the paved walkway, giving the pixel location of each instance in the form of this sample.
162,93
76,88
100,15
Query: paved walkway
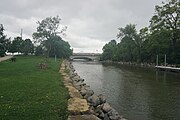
5,58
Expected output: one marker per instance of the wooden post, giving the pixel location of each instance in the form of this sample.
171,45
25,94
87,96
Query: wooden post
55,58
165,60
157,60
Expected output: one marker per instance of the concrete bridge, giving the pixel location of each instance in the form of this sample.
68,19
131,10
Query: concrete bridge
86,56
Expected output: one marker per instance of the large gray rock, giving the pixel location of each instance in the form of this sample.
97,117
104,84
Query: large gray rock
79,84
88,94
91,108
106,117
73,75
83,92
98,108
77,78
102,99
101,114
106,107
114,115
94,100
87,87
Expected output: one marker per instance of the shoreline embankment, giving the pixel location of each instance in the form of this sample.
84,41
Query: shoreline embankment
83,103
150,65
161,67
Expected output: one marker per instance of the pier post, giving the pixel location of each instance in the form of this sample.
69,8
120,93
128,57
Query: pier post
165,60
157,60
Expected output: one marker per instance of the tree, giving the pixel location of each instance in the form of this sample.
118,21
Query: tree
60,48
129,41
129,31
167,17
27,47
162,37
109,51
4,42
39,50
157,44
142,37
47,30
16,45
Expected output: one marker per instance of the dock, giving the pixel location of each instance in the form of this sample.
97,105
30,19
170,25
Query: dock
166,68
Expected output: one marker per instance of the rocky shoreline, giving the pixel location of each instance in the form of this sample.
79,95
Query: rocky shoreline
83,103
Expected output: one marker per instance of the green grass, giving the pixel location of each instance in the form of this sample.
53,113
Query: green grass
29,93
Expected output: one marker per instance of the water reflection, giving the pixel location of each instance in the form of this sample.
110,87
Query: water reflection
164,77
137,93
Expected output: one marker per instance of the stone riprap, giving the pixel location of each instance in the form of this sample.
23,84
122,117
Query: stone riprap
83,103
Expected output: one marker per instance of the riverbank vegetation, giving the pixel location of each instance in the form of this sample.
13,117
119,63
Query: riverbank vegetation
161,37
47,41
31,93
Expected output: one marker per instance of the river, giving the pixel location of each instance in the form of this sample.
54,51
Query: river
136,93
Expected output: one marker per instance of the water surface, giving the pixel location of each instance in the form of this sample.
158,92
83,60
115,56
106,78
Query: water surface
136,93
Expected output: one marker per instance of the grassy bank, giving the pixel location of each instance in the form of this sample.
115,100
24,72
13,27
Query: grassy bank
30,93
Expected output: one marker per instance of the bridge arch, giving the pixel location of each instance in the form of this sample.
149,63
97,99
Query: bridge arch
81,57
86,56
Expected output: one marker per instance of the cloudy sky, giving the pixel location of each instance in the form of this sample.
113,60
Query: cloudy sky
91,23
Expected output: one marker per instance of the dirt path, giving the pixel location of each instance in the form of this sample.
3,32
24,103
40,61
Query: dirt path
5,58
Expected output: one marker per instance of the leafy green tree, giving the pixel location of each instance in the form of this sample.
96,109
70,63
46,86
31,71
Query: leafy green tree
144,37
130,43
39,50
4,42
139,41
109,51
46,31
60,48
157,44
126,49
27,47
162,37
16,45
167,17
129,31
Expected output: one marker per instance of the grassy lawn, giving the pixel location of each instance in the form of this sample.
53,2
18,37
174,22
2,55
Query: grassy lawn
30,93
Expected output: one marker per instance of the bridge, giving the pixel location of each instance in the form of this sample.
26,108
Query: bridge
86,56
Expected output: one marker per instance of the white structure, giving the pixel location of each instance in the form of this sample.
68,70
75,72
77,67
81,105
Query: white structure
88,56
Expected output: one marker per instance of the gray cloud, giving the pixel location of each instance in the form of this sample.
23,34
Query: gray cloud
91,23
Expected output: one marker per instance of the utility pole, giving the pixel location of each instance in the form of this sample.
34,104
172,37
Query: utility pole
21,33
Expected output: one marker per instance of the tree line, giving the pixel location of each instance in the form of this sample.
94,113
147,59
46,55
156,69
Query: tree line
161,37
47,41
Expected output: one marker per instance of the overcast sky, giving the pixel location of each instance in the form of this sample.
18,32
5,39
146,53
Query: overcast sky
91,23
